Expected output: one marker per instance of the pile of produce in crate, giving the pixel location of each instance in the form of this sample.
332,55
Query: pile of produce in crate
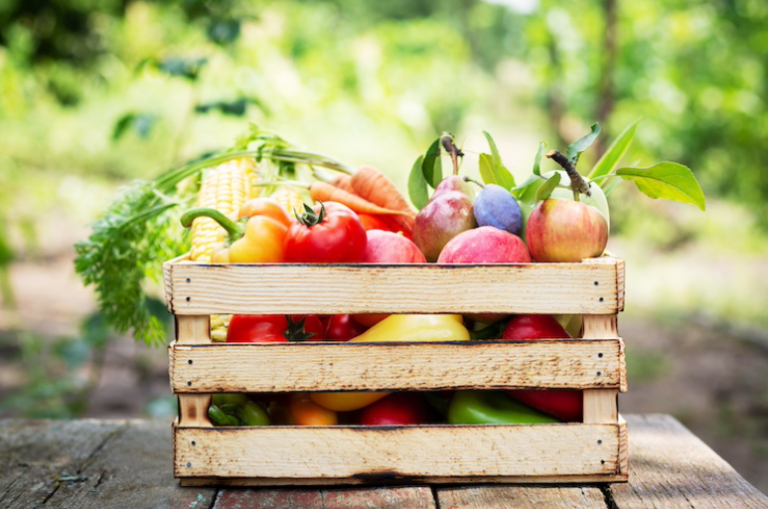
267,202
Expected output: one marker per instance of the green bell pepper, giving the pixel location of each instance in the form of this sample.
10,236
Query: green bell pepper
492,407
248,413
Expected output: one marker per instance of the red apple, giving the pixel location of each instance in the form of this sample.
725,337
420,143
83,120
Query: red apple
565,231
388,247
485,245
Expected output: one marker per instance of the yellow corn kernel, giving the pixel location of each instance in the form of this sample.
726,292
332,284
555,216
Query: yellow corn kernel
225,188
290,199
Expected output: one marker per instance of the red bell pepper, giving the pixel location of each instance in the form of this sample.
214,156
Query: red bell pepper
566,405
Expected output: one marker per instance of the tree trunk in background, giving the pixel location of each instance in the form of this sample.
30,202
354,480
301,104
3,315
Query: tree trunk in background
605,91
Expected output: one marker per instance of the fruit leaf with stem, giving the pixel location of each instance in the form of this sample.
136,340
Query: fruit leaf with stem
577,147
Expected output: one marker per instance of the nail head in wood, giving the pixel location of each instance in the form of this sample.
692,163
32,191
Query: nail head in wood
189,280
189,384
190,298
191,361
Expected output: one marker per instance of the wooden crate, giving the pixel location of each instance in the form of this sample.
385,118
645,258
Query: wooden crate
592,451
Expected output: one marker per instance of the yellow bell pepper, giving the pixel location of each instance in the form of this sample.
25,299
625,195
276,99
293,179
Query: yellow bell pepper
395,328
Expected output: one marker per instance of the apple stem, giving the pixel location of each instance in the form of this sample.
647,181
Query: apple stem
447,142
578,184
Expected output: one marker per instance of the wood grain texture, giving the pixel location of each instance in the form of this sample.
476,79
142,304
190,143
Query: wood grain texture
130,471
190,330
521,497
574,288
576,364
672,468
34,455
601,406
363,453
417,497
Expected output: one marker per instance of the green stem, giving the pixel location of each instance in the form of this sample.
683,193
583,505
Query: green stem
234,230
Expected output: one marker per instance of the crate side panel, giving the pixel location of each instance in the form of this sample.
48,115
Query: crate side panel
551,364
403,452
339,289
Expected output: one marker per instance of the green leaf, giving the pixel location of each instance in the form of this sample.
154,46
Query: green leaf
537,161
546,190
615,152
494,150
417,185
582,144
495,175
432,166
671,181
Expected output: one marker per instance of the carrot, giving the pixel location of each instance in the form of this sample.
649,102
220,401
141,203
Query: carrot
344,182
323,191
374,186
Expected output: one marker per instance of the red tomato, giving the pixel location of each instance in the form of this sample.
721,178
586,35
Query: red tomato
397,409
343,328
333,234
274,329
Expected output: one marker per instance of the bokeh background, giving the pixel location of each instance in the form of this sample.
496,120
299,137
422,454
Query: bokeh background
96,93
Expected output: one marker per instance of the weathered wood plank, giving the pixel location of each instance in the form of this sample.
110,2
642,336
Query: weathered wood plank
35,453
193,330
520,497
131,471
672,468
243,482
197,289
380,498
345,452
575,364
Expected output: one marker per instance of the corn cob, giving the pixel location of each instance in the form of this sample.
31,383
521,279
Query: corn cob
290,199
225,188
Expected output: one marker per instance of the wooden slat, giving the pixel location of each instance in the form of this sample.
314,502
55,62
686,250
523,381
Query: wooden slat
271,482
366,288
190,330
402,453
551,364
601,405
672,468
521,497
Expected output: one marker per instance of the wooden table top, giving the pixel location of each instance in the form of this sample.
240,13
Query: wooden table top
128,464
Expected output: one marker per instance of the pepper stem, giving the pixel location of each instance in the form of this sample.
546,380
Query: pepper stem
234,230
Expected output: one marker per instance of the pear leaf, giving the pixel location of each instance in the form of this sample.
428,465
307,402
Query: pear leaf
582,144
671,181
417,185
432,166
498,175
615,152
545,191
